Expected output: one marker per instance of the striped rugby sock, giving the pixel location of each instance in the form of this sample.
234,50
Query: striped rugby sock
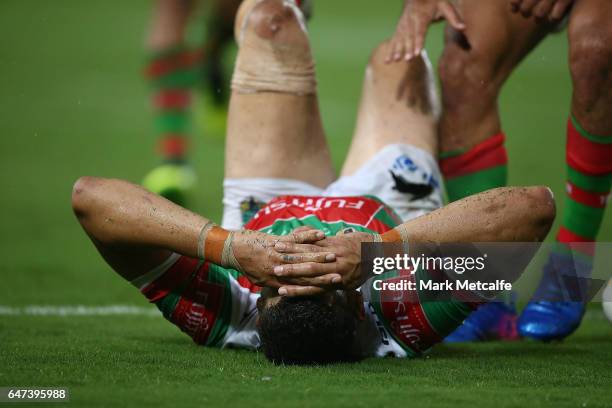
589,170
173,73
481,168
478,169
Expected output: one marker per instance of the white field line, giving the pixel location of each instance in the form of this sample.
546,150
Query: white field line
78,310
127,310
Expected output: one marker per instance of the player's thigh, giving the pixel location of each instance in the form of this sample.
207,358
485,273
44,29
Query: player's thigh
274,127
399,105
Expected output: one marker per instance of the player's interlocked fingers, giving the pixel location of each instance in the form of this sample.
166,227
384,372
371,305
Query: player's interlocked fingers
552,10
255,255
409,38
347,248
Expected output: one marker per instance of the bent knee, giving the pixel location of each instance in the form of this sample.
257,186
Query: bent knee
468,76
275,53
269,19
590,62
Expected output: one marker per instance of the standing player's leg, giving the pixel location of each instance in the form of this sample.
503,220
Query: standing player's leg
473,70
172,72
275,140
552,314
219,37
219,34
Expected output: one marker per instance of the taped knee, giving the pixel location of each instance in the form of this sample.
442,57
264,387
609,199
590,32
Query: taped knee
275,53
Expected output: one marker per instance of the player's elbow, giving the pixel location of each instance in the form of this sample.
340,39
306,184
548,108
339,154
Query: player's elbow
83,193
522,214
540,210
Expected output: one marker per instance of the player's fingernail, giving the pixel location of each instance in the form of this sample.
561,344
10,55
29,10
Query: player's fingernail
278,270
336,280
320,234
330,257
280,246
283,292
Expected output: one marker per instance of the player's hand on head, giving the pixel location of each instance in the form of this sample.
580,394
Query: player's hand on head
347,248
409,38
551,10
255,255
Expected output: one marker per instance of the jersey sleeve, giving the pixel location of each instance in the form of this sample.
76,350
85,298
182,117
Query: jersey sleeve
416,325
205,301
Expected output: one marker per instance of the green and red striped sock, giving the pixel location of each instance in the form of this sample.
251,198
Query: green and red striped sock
589,168
172,74
481,168
478,169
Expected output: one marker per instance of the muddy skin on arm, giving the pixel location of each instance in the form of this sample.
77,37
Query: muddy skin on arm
126,221
518,215
509,214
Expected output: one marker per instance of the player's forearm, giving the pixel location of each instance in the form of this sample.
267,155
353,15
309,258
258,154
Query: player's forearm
513,214
116,212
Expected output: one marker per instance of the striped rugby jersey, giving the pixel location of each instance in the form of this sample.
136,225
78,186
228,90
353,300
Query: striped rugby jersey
394,325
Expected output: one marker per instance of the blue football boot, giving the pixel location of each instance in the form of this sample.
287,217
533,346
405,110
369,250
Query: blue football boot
556,309
491,321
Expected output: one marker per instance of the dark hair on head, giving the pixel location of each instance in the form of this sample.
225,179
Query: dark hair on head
307,330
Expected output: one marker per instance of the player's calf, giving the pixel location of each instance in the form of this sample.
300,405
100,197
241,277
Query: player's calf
473,155
469,76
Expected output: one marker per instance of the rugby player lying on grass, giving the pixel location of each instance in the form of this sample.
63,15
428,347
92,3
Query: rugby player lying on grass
207,280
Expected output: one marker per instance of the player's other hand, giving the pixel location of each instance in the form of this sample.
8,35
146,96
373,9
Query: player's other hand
257,257
552,10
347,248
409,38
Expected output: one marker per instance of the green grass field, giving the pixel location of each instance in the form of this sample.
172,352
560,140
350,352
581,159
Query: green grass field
73,103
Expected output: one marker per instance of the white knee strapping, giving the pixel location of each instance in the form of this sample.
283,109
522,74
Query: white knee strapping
268,65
